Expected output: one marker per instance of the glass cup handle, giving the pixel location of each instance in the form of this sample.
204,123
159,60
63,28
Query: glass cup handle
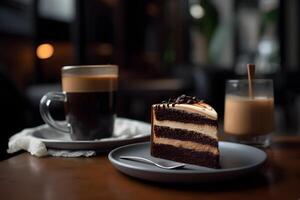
44,111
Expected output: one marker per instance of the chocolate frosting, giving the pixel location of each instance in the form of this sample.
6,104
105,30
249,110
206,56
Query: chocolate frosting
183,99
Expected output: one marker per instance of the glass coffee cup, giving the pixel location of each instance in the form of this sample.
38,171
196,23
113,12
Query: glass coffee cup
249,119
89,97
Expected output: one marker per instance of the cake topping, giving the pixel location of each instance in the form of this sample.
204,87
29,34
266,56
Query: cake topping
190,103
183,99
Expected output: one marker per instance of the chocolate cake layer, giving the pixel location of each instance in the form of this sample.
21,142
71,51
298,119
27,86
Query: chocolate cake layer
185,155
179,134
162,113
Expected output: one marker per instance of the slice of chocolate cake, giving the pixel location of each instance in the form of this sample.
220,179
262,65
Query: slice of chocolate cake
185,130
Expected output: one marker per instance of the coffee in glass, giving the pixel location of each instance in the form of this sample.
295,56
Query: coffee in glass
89,95
249,119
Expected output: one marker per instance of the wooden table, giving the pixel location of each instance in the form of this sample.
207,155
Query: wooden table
27,177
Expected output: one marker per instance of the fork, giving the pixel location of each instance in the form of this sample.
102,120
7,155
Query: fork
160,164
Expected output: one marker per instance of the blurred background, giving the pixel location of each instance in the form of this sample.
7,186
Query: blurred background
163,49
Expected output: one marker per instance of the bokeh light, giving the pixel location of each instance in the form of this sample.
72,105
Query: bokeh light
197,11
44,51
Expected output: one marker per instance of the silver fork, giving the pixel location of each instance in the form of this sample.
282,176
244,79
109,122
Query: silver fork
160,164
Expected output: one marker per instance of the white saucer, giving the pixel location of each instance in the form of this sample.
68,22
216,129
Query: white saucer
61,142
139,132
235,159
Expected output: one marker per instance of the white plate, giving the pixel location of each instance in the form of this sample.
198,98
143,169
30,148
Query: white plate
59,143
139,132
235,159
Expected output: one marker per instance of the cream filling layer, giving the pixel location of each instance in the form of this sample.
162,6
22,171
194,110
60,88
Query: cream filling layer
186,145
206,110
207,130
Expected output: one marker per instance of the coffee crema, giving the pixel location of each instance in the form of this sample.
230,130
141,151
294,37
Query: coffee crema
88,83
246,116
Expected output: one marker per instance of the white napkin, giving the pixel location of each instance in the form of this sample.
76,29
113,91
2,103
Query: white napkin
25,140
